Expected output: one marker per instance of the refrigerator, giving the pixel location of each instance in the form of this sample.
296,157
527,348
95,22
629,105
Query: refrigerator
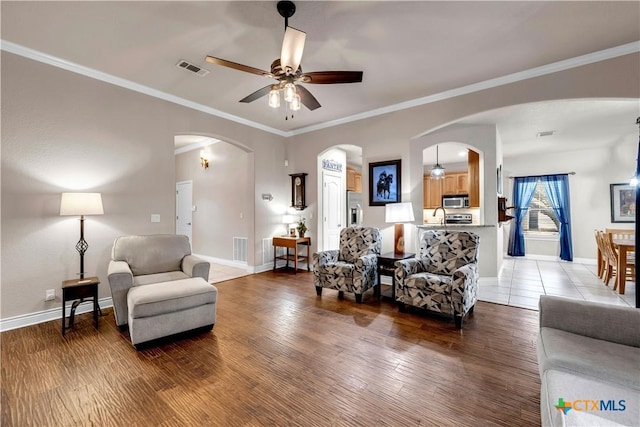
354,208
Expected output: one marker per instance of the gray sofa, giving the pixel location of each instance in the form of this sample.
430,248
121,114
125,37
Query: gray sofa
589,361
158,288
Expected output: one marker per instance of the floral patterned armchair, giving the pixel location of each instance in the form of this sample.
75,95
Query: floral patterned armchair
352,268
444,276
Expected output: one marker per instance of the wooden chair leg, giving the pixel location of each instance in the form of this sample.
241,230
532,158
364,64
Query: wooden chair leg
607,274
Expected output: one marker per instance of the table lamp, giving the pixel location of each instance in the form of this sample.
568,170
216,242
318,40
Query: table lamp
81,204
398,213
288,220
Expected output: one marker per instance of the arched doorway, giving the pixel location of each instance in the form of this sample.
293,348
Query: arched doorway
222,207
340,192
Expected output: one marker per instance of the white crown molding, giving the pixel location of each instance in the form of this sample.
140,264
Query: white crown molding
590,58
195,146
108,78
29,319
554,67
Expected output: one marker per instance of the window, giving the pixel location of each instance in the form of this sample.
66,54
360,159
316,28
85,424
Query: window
540,217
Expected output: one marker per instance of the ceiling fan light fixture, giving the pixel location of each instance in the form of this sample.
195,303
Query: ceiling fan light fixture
295,104
274,98
289,91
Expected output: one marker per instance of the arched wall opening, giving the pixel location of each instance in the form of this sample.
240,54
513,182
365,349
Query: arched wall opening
596,138
223,206
337,194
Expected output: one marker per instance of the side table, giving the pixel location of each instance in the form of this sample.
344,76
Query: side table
386,267
291,243
79,290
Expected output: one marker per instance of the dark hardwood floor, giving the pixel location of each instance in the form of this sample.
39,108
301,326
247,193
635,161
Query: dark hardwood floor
279,355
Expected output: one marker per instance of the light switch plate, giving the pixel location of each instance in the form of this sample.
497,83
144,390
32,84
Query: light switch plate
155,217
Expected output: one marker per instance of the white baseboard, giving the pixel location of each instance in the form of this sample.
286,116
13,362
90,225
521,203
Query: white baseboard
589,261
47,315
227,262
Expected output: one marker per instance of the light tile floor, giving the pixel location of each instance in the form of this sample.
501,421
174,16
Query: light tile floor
522,281
220,273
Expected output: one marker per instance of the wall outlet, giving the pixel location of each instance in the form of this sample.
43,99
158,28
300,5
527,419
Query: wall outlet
50,295
155,218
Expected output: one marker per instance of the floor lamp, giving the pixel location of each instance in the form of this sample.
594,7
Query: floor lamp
398,213
81,204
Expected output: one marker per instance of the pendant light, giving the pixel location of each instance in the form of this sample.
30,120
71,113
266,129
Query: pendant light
437,172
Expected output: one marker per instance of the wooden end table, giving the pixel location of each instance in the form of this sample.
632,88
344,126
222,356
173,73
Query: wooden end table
79,290
386,267
291,243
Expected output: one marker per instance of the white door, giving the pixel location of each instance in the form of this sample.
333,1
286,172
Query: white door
184,216
332,210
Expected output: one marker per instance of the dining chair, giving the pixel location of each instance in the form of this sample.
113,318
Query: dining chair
601,260
612,255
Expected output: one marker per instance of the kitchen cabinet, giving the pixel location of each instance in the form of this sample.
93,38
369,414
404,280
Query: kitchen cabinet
354,180
456,183
431,192
474,179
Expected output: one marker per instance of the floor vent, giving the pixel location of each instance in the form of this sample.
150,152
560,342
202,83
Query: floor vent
192,67
240,249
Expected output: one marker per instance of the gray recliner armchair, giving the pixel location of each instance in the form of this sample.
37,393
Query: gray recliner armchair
352,268
158,288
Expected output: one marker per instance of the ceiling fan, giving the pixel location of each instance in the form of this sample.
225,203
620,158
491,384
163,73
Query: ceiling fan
287,70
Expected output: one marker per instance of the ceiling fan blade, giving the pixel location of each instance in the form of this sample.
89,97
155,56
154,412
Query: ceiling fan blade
307,99
257,94
237,66
292,48
330,77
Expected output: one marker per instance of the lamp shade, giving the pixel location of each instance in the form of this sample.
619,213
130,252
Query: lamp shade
399,212
81,204
288,219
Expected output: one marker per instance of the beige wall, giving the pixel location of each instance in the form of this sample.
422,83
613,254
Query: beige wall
223,194
390,136
65,132
62,132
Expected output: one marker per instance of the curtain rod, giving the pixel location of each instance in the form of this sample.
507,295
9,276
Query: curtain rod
538,176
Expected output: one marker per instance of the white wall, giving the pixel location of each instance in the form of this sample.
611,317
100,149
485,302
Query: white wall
62,131
223,194
390,136
65,132
590,202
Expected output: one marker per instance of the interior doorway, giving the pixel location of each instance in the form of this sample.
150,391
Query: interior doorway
332,192
184,215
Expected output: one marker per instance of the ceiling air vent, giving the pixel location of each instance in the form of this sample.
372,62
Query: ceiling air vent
545,133
191,67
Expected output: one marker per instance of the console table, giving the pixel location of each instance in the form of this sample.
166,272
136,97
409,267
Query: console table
291,243
387,267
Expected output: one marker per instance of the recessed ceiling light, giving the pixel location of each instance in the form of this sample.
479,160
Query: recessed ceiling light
545,133
462,153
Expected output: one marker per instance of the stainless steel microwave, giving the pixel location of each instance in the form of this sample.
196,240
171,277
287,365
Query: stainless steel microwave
459,201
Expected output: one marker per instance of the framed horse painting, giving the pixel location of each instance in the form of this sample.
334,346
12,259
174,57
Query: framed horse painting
384,182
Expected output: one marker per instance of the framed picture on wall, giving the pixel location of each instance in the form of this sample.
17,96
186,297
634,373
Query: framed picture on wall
384,182
623,203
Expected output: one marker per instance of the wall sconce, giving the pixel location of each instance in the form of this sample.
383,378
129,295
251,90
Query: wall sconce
204,159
